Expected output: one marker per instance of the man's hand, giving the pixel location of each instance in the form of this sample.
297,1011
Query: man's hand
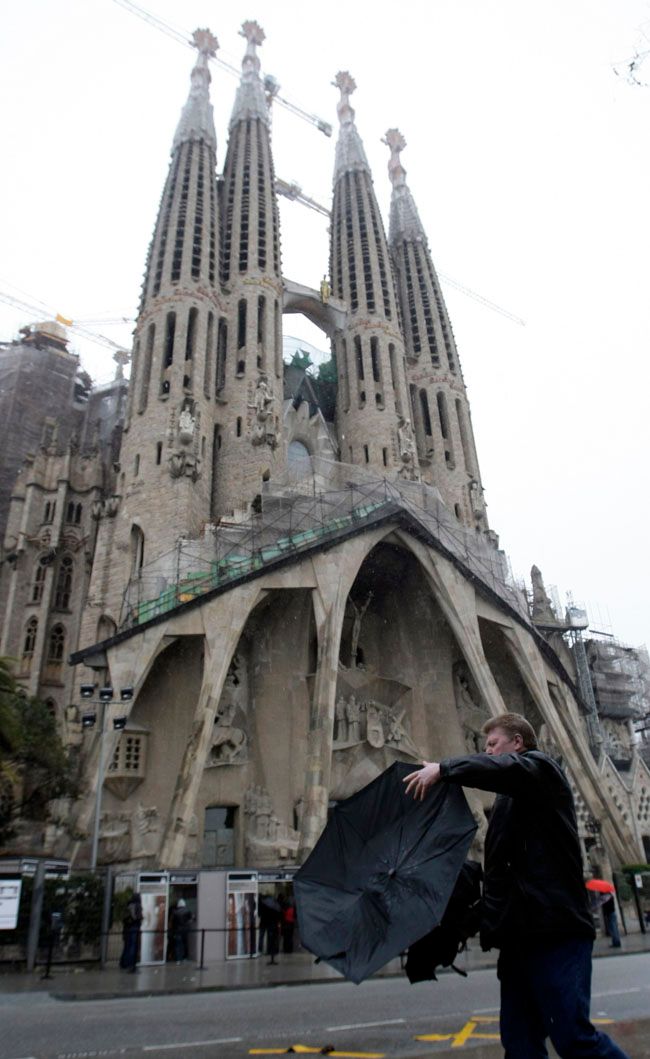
420,781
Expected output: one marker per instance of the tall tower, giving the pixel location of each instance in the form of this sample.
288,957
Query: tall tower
438,399
165,479
372,410
248,444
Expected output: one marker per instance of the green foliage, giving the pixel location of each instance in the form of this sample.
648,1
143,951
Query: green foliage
635,868
623,888
79,899
325,385
301,359
33,760
121,899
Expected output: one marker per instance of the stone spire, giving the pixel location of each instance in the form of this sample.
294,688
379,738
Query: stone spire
250,444
197,121
250,101
438,399
170,412
349,148
372,413
404,218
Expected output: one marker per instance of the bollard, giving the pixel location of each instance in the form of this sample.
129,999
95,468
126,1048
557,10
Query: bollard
35,915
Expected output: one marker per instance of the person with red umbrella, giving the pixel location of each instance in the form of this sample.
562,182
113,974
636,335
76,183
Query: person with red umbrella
607,905
535,908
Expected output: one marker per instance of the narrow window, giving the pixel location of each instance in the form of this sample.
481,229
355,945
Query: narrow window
190,338
158,452
146,368
137,550
29,642
384,456
56,645
426,417
39,579
77,514
136,465
69,517
170,330
358,357
464,439
261,319
241,323
374,357
366,454
393,379
442,415
238,426
64,583
207,369
457,511
222,345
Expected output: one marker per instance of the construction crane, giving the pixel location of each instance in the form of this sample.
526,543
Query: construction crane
291,190
271,85
36,310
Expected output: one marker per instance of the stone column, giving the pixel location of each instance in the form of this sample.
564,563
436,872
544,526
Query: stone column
456,598
224,620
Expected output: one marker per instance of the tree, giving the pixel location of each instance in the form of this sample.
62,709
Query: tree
35,767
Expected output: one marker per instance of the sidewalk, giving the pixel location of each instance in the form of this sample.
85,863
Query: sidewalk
95,983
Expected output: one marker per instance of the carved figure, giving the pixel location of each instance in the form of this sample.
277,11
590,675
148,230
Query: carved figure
375,724
353,715
186,424
264,430
472,717
359,613
340,715
228,742
406,445
325,290
144,825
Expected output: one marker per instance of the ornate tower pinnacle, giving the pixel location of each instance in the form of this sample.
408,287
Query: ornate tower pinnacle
197,122
250,101
349,149
396,171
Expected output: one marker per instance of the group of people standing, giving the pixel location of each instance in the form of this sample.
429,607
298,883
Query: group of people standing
277,923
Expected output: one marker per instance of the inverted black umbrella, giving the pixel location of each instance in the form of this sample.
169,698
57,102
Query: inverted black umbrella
381,874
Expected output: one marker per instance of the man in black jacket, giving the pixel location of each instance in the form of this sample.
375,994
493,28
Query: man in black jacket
535,907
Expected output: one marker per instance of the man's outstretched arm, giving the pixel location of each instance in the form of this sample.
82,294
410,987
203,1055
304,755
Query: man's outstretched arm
422,779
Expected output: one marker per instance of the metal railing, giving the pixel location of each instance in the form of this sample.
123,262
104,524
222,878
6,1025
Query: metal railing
294,517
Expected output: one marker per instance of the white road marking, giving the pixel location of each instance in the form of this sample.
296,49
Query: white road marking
365,1025
618,992
191,1044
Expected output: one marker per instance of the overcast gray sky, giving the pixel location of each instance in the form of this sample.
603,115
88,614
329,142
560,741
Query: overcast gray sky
529,159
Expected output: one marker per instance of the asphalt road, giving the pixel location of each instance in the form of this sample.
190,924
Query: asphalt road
380,1017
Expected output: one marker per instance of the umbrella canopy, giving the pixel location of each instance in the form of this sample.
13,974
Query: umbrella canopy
600,886
381,874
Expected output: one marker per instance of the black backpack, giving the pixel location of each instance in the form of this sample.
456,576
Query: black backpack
461,920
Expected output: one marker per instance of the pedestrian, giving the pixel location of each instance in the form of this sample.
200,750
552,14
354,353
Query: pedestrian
180,920
611,923
131,924
288,923
269,913
535,907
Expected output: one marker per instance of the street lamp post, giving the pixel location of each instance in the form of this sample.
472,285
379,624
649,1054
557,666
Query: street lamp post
88,720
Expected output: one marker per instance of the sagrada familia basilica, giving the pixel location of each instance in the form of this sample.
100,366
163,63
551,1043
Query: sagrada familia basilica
271,583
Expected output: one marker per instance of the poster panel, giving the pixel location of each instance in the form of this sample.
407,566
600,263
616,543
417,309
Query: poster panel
9,903
153,936
241,906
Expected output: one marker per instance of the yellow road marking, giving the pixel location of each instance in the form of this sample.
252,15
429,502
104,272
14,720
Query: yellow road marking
304,1049
466,1033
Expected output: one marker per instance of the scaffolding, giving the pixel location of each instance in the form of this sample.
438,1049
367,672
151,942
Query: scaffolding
294,516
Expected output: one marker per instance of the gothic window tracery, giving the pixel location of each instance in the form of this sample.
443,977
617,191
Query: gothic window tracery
56,644
38,582
63,590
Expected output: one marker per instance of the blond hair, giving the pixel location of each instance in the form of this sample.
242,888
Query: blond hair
513,724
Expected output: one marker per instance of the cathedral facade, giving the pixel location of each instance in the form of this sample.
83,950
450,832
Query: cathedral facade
290,594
